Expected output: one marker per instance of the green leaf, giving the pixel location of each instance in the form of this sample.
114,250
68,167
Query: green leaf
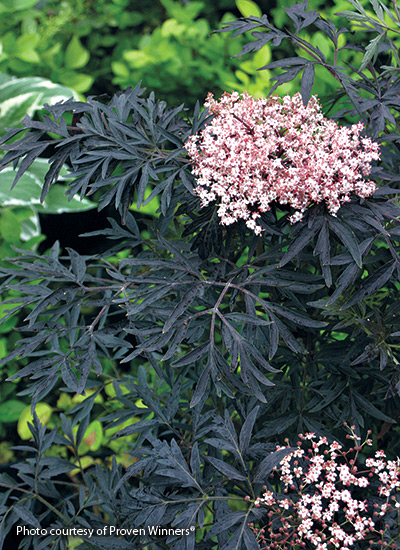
40,167
30,225
10,323
92,438
28,41
10,228
24,96
30,56
11,410
120,69
13,109
49,91
4,78
248,8
76,56
3,347
43,411
27,192
25,49
56,202
78,81
19,4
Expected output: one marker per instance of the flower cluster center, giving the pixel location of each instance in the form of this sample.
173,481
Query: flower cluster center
257,151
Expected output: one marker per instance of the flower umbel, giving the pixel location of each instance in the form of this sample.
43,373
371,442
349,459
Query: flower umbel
326,502
257,151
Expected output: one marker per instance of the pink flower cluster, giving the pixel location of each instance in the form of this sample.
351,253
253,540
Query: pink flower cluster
257,151
327,506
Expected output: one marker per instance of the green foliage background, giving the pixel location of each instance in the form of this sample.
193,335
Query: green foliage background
99,47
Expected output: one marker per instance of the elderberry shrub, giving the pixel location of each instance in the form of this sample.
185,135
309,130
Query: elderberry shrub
198,340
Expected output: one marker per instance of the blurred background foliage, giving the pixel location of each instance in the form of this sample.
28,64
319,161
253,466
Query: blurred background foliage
100,46
51,50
